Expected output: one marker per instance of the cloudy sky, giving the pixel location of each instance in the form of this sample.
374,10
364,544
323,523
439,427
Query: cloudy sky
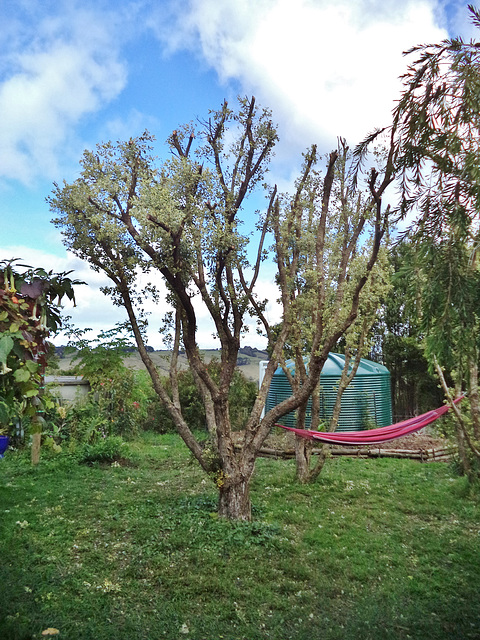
75,73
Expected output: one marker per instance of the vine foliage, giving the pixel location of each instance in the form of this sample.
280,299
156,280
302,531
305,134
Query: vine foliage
30,312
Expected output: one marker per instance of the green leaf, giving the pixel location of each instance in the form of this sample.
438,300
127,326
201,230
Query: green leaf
32,366
6,345
30,393
48,403
22,375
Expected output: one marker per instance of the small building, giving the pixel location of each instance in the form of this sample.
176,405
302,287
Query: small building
67,388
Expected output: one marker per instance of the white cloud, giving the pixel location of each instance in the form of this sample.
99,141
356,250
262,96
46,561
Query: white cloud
93,309
326,68
70,67
96,311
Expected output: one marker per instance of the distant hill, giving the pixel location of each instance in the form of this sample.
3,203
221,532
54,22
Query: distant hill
247,361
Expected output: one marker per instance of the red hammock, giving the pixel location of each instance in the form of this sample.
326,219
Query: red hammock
374,436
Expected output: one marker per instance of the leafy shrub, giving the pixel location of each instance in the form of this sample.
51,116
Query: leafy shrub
86,422
107,450
241,398
117,405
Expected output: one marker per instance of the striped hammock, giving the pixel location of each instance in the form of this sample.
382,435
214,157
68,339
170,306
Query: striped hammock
373,436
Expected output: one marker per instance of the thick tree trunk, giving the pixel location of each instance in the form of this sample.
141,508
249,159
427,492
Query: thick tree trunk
234,500
303,448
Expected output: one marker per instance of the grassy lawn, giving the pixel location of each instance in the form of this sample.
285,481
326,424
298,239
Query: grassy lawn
375,549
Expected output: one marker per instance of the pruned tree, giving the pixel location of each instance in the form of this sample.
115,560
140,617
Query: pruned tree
125,215
330,265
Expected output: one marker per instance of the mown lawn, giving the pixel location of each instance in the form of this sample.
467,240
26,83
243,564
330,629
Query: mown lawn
375,549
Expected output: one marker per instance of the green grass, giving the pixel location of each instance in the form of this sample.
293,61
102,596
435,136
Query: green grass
375,549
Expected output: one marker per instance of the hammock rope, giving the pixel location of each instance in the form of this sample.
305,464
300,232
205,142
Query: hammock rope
373,436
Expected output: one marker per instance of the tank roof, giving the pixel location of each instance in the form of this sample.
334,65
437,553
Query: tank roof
334,366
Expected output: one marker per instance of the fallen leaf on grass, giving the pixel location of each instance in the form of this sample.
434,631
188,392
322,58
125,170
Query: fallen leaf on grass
50,632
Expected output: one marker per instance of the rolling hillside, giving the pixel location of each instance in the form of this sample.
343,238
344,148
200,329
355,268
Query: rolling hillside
248,360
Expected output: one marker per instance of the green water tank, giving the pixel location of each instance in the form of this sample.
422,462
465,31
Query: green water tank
366,402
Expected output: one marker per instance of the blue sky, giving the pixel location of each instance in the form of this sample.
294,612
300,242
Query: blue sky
73,74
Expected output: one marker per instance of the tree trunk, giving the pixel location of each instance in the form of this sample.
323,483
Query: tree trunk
466,445
303,447
321,458
303,457
234,500
303,451
465,466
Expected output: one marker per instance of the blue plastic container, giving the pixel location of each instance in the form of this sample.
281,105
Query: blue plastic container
3,445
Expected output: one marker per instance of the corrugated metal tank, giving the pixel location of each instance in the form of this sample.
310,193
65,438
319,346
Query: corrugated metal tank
366,402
